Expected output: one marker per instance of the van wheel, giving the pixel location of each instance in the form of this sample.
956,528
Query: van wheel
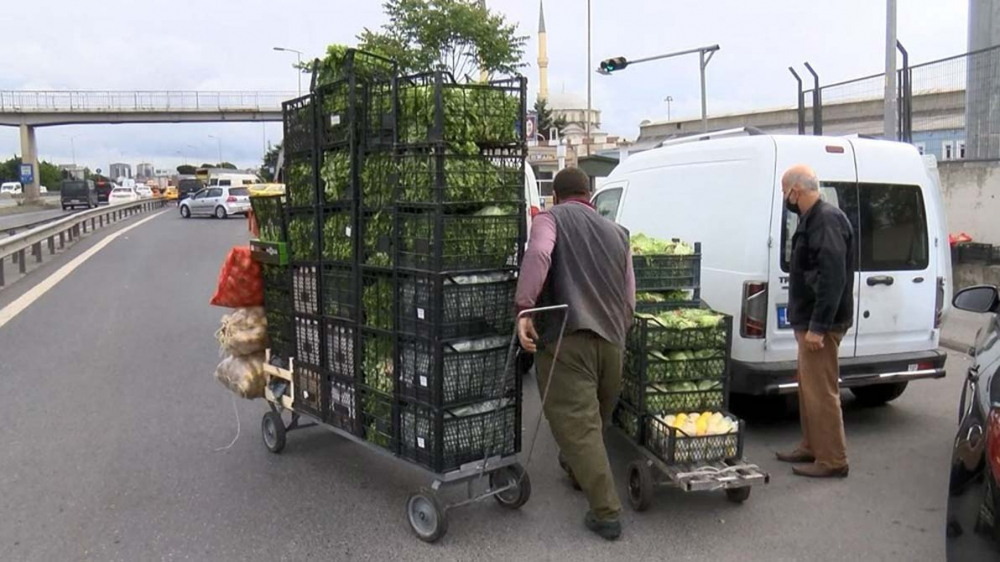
878,394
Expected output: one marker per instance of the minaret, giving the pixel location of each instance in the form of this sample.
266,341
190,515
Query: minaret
484,77
543,54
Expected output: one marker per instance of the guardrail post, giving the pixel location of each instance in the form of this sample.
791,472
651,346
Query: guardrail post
84,223
36,250
20,262
101,220
52,246
76,230
1,273
92,227
62,241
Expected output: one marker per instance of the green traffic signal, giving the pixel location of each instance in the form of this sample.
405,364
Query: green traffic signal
610,65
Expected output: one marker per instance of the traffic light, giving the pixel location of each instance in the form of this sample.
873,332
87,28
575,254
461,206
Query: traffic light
610,65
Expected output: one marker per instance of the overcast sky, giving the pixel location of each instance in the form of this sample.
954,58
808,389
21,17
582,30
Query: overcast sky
227,45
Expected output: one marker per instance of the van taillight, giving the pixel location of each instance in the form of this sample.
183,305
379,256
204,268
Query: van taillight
939,302
754,318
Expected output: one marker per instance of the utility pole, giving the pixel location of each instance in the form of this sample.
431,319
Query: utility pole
298,63
889,124
589,109
668,99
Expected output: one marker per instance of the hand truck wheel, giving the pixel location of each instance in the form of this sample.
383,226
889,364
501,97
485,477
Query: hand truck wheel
426,515
520,486
738,495
640,485
273,430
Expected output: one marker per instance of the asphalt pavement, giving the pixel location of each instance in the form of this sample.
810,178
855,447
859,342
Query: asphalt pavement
110,421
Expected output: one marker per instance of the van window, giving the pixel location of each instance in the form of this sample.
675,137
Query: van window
607,202
893,228
843,195
225,183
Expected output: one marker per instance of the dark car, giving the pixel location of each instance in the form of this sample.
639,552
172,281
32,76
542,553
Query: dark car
78,193
973,524
187,188
104,187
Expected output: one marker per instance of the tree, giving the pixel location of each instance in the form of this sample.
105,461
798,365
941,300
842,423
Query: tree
461,36
49,174
545,120
268,169
226,165
186,169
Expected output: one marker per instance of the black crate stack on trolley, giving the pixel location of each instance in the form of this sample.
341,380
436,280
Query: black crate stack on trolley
392,263
673,364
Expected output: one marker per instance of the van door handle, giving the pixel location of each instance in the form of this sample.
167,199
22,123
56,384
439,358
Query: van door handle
881,280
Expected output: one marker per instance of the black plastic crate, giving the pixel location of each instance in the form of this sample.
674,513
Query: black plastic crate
339,110
443,439
305,289
378,415
340,291
378,305
377,369
335,183
677,366
491,176
338,234
650,333
298,116
376,228
379,109
467,242
308,340
278,312
434,108
674,447
342,405
303,239
269,214
629,421
308,383
445,374
340,356
668,272
974,252
378,175
448,306
677,397
300,180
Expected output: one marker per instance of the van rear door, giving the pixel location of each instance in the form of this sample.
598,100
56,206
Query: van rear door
833,161
898,269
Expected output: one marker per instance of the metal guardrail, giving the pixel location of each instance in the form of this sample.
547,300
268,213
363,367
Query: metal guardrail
48,101
66,231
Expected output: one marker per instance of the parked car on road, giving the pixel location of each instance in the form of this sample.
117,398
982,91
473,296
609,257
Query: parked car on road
145,192
11,188
889,195
122,195
78,193
217,201
973,520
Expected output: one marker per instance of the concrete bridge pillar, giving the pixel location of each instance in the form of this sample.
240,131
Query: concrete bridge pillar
29,155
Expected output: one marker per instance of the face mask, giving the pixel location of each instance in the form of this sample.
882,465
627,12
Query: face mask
792,207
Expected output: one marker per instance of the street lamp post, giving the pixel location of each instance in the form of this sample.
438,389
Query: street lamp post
620,63
219,139
298,63
668,99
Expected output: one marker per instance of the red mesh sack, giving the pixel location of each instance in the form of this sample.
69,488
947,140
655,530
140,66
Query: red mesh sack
240,284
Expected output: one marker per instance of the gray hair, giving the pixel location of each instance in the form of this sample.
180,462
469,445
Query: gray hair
802,175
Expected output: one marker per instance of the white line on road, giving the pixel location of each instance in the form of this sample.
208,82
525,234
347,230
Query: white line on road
24,301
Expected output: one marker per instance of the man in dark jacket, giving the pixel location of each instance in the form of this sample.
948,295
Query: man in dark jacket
579,258
820,310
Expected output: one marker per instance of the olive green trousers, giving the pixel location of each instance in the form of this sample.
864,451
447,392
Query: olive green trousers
585,385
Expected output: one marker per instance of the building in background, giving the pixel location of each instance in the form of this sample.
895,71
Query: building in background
144,170
119,170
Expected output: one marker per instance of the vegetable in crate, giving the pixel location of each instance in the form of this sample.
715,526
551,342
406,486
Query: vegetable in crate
337,244
378,234
662,296
302,238
377,370
377,301
300,184
643,245
378,177
336,175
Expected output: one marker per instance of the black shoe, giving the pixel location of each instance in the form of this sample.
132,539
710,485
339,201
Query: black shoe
608,530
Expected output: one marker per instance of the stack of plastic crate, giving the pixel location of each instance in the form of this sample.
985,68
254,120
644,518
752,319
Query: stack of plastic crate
676,362
459,232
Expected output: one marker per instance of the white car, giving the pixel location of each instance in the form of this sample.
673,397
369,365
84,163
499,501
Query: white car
11,188
893,203
42,190
144,192
219,202
120,195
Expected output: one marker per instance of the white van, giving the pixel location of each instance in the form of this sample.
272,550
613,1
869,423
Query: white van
234,179
724,190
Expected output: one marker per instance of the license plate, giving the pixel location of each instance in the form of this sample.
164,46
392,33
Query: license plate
783,323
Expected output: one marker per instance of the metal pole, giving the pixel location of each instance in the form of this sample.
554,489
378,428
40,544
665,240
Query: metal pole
298,70
589,111
817,102
889,124
905,102
704,101
801,102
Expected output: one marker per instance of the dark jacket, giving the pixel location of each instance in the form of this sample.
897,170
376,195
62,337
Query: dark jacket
821,280
589,272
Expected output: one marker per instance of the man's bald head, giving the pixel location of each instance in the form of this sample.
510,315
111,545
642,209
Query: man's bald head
801,175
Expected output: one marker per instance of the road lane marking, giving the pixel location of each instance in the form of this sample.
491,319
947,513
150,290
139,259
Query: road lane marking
24,301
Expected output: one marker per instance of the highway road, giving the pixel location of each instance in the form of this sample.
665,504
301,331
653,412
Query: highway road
110,420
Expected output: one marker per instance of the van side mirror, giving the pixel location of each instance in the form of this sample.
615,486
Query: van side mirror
981,298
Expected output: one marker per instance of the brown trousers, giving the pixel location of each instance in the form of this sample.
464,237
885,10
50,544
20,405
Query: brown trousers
585,385
819,401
